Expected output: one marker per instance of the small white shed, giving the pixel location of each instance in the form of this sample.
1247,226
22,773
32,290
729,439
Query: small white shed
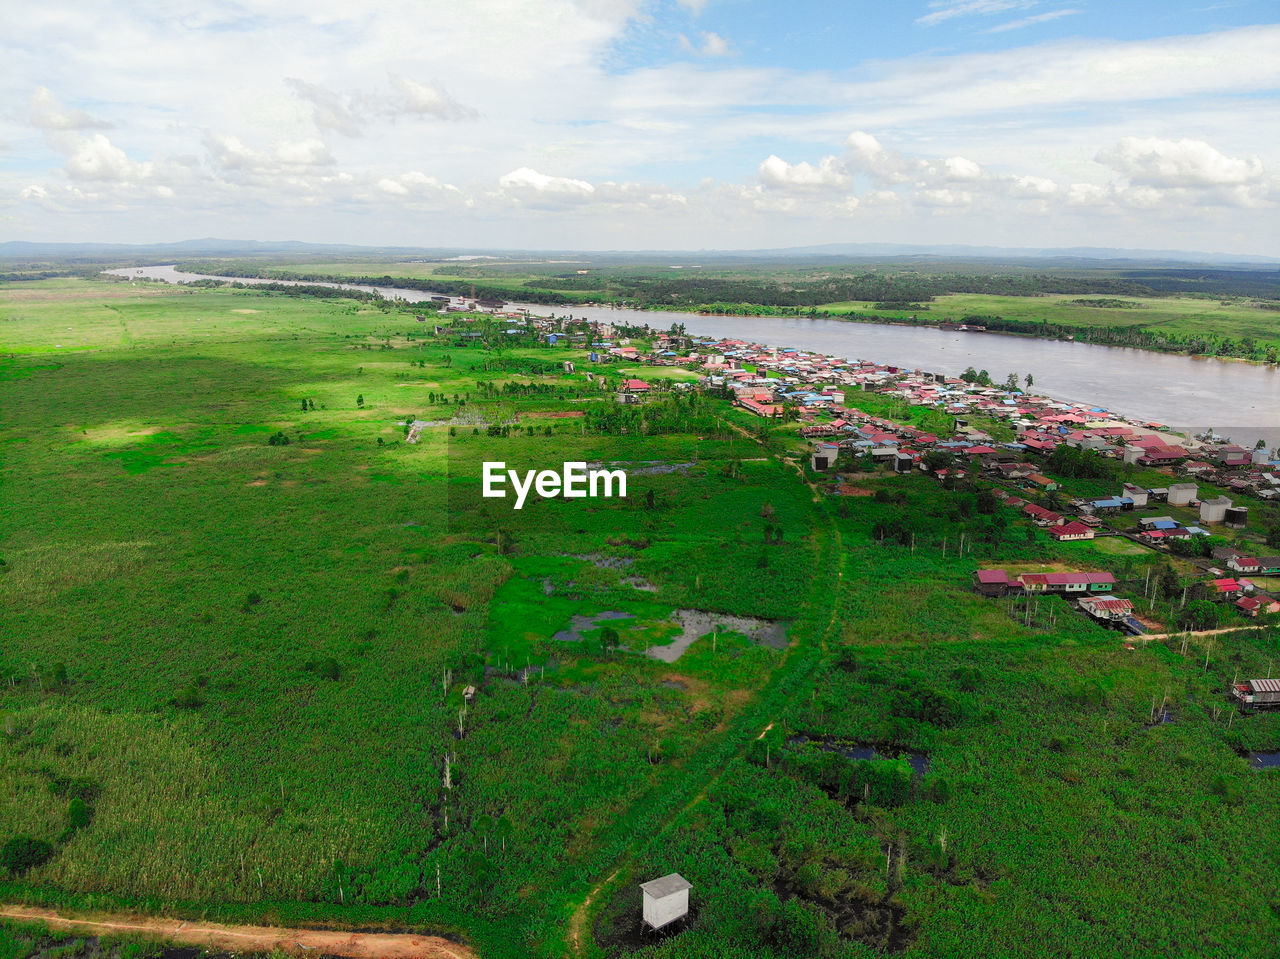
665,899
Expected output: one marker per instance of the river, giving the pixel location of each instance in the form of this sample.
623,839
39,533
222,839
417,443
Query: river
1239,400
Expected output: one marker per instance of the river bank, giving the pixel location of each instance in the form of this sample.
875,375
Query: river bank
1170,324
1241,401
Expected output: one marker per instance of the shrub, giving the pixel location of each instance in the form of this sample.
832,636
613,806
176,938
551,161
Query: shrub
78,813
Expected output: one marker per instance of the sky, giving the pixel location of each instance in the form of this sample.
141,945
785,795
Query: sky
645,124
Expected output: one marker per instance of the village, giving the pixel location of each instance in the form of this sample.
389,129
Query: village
1004,437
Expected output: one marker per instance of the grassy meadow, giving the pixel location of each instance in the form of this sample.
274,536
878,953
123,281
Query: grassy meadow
1187,316
233,669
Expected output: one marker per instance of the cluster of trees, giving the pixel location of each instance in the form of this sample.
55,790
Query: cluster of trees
664,415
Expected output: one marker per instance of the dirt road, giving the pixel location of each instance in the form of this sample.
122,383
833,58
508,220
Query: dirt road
264,939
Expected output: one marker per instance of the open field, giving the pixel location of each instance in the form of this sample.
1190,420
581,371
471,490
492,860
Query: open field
232,686
1236,317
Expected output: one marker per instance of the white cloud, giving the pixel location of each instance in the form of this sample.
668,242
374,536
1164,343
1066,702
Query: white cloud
626,129
414,183
230,154
330,110
308,152
1088,194
828,174
1033,186
944,198
711,45
525,180
1156,162
869,156
422,99
350,113
1033,20
881,198
1142,197
48,113
959,168
97,158
942,10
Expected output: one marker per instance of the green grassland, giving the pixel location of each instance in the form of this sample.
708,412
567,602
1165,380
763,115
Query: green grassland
248,660
1233,318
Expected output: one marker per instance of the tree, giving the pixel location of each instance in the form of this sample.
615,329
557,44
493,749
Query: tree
304,406
1030,380
360,401
1011,382
23,852
1200,614
609,639
935,460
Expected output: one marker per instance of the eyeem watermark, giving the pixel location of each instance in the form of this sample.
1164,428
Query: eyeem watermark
575,481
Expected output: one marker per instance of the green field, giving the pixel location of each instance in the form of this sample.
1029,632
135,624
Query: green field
233,670
1186,316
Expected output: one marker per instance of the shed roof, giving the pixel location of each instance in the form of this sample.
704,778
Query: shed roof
665,886
1265,685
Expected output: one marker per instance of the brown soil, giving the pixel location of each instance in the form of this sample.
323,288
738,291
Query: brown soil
264,939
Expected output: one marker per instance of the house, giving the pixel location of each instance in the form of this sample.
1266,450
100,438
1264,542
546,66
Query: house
1245,564
1236,517
635,386
1137,494
1107,608
1214,510
993,582
1253,605
1067,582
1258,692
824,456
1071,531
665,900
1227,588
1042,481
1161,455
1042,516
1183,494
1112,504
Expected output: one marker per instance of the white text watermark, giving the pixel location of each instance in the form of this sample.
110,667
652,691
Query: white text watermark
574,481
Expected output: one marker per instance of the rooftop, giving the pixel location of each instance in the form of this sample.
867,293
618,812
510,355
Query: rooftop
664,886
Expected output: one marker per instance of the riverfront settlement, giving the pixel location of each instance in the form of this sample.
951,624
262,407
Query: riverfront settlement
1193,503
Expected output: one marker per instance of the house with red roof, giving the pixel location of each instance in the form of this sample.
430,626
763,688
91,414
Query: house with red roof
1071,531
1107,608
1096,582
1042,516
1253,605
993,582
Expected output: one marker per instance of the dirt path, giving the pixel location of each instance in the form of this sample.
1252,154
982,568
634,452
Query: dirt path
264,939
1146,637
579,932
